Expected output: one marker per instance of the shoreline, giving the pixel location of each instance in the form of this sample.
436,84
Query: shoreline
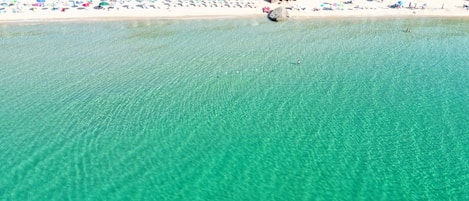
300,9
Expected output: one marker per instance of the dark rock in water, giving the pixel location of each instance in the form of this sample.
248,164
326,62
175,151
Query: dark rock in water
278,14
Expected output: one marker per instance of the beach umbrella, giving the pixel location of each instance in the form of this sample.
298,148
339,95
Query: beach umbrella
103,3
401,3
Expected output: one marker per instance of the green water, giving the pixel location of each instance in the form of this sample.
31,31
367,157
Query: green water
218,110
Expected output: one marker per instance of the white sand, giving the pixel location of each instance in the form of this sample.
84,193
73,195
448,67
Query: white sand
300,9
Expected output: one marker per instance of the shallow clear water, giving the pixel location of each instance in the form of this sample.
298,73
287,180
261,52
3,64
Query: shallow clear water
219,110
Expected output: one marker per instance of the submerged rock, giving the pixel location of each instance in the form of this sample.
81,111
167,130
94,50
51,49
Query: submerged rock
278,14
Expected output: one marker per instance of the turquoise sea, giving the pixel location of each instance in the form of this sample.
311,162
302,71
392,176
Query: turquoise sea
218,109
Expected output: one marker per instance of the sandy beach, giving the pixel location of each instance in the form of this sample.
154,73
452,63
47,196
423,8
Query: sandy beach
17,10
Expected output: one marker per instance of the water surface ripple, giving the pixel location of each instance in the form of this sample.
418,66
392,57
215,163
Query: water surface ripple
219,110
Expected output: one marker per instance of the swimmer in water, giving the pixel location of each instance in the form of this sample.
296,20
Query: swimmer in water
298,61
